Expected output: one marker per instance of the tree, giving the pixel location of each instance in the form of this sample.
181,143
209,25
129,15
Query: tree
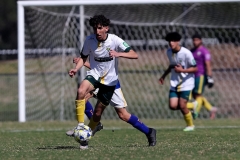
8,24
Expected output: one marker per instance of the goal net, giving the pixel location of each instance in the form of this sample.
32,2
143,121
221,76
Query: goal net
54,36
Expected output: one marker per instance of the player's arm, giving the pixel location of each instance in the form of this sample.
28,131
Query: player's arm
161,79
86,64
208,68
131,54
79,65
84,55
180,69
210,80
191,63
125,50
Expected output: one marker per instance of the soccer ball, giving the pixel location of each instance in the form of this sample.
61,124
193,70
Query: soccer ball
82,134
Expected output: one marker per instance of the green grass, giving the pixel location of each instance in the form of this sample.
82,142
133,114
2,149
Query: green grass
218,139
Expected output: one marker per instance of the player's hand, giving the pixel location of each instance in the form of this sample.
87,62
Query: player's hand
161,80
113,53
210,81
72,72
178,68
75,60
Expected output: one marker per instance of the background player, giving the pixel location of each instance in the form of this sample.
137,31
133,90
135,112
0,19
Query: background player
104,49
203,76
182,67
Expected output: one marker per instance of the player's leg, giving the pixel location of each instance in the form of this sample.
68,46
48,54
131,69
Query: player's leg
184,97
136,123
209,107
173,100
197,94
89,111
104,97
97,113
88,107
206,103
119,103
83,91
192,103
202,101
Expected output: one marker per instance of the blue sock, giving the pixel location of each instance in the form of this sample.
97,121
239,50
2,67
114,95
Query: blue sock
89,110
134,121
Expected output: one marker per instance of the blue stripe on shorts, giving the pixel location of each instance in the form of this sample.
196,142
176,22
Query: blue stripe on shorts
118,85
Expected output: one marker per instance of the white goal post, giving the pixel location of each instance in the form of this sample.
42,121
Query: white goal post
80,3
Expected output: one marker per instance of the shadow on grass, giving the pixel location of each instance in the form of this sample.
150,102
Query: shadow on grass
131,146
95,146
57,147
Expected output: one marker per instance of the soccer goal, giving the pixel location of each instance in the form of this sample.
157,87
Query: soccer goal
51,33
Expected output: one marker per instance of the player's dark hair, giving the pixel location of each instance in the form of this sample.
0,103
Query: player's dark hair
196,35
99,20
173,36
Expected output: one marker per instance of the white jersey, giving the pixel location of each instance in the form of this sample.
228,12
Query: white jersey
105,71
181,81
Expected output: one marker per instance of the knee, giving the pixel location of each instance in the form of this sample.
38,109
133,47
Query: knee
97,112
173,107
123,116
81,93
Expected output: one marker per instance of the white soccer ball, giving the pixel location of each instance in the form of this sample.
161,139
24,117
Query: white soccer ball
83,133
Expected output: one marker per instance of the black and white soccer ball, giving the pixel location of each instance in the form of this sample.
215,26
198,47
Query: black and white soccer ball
82,134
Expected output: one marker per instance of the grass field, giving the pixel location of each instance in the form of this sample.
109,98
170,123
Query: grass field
218,139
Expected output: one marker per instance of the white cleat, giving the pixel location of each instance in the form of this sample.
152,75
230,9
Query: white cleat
189,128
70,133
84,145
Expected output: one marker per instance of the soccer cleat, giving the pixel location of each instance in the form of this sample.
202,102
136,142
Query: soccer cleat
151,136
213,112
71,132
97,128
189,128
84,145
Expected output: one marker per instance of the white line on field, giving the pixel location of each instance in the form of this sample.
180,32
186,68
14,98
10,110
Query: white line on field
117,128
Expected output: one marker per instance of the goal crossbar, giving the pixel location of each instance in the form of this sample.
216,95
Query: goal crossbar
97,2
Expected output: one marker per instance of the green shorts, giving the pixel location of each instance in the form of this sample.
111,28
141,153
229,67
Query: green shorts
105,92
182,94
200,82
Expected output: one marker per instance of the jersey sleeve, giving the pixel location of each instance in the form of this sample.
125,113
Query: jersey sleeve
207,55
85,50
190,60
121,44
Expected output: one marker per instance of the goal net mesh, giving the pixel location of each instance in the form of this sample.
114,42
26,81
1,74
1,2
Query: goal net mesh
52,40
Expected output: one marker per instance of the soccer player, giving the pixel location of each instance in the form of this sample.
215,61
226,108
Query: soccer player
203,76
103,50
182,67
119,103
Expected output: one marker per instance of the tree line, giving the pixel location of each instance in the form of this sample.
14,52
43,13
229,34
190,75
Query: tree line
8,24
